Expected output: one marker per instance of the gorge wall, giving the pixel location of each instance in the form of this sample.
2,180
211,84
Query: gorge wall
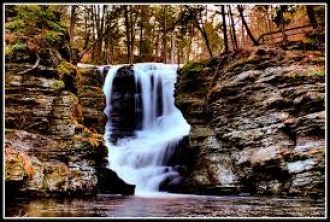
54,125
258,122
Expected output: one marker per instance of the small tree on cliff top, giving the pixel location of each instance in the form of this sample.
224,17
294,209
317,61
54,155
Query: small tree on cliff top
38,26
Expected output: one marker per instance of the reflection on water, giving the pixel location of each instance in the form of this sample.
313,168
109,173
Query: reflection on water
165,205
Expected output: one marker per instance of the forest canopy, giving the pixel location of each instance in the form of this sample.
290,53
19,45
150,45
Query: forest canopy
113,34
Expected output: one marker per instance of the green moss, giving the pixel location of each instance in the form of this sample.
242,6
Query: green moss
316,71
192,69
19,47
52,37
319,60
65,68
87,88
58,84
8,50
310,71
15,25
190,76
90,91
85,134
295,75
58,27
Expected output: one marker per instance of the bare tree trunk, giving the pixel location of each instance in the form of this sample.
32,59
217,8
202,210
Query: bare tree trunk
240,9
156,38
72,28
94,28
224,27
192,30
311,16
242,35
141,31
270,19
111,51
199,25
233,28
172,48
283,25
72,23
127,31
205,37
164,36
157,44
133,18
231,37
97,25
102,31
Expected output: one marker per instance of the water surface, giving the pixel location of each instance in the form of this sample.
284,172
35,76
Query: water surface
166,205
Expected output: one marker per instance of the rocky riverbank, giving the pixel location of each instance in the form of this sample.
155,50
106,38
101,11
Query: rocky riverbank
258,122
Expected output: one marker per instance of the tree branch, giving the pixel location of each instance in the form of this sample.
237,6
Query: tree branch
36,64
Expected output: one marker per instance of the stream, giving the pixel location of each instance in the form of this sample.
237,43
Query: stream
166,205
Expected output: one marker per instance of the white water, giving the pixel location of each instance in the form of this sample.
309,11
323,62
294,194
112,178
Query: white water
140,160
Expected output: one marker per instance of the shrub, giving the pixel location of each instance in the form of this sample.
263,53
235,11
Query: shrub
52,37
65,68
58,84
8,50
19,47
15,25
190,75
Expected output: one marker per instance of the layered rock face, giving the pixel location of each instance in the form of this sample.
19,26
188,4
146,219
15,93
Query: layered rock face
91,97
258,122
51,144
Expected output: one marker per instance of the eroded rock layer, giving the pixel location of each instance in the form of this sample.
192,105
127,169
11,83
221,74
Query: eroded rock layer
53,131
258,122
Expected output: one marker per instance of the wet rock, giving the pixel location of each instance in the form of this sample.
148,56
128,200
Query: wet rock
91,98
42,165
308,183
201,133
109,182
18,165
48,149
301,165
263,113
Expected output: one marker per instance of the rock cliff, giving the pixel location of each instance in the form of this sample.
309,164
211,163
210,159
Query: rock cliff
54,128
258,122
257,117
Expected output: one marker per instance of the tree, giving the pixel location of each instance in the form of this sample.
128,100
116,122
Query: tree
194,14
137,33
141,29
224,29
259,20
232,22
240,9
39,26
311,16
73,22
164,34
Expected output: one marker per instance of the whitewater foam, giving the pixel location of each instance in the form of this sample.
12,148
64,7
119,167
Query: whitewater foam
141,160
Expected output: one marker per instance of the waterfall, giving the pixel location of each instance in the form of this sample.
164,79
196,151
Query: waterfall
144,158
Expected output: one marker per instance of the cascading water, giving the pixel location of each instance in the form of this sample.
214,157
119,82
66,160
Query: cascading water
142,159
